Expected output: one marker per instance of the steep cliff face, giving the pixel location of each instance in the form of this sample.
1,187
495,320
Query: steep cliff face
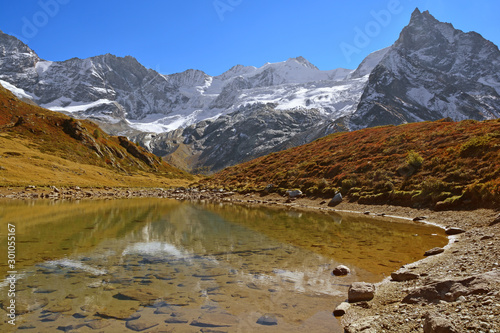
431,72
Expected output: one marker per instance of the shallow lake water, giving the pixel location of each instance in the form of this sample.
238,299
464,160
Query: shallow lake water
160,265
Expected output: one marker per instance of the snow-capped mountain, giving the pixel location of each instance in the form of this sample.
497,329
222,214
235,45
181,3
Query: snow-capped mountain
114,89
432,71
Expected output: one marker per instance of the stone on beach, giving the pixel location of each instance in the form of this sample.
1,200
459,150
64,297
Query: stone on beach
294,193
403,275
451,290
361,291
435,323
454,231
434,251
335,200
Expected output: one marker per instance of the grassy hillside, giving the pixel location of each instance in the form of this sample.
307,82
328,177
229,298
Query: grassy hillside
41,147
440,164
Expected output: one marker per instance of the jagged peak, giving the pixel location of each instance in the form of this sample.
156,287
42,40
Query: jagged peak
419,18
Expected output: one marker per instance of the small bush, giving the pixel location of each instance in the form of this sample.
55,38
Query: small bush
475,146
414,159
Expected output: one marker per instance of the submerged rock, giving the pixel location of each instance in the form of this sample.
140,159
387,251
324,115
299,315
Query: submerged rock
140,324
268,320
145,296
215,320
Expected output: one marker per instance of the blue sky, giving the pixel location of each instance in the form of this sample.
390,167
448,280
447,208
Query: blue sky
213,35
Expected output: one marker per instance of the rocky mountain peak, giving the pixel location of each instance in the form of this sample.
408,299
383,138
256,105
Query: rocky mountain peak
302,61
432,71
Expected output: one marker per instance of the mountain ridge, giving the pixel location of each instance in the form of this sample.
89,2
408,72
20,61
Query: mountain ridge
431,72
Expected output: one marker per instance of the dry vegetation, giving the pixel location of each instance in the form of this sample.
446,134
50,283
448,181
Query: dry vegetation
41,147
442,165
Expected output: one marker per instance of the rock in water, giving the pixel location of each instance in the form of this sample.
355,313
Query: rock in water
140,325
341,309
435,323
335,200
341,270
361,291
268,320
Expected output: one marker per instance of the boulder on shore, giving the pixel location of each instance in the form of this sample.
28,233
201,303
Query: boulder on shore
454,231
294,193
361,292
451,290
403,275
335,200
434,251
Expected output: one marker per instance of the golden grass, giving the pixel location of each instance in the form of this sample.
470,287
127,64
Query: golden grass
21,165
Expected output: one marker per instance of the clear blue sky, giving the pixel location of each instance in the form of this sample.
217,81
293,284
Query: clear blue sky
213,35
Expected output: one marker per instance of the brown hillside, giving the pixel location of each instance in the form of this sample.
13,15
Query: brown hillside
38,146
440,164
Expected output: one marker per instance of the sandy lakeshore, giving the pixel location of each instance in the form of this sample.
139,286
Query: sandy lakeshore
457,290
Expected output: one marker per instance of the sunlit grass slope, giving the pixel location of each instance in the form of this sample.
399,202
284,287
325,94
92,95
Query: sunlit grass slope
41,147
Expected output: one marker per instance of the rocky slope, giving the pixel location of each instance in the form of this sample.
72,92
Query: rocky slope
42,142
433,71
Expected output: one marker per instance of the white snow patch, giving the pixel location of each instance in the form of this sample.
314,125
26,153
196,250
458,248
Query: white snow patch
42,66
57,105
20,93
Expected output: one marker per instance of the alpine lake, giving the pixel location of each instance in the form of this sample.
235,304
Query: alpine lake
162,265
